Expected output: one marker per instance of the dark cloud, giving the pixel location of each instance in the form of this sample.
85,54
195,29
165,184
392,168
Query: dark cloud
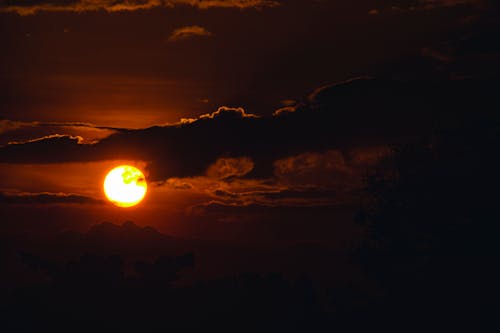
432,4
305,180
280,223
7,125
305,196
31,7
46,198
19,131
469,51
358,113
327,170
188,32
405,5
51,149
230,167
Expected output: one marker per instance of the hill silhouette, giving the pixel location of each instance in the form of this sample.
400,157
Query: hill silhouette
107,290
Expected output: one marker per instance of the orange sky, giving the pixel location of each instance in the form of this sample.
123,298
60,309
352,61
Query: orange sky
88,73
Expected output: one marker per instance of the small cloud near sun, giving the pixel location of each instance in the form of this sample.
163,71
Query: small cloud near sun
188,32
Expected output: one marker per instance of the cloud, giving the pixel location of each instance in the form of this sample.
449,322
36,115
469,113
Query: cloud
46,198
436,55
18,131
423,5
7,125
188,32
304,196
343,117
319,169
224,168
52,137
305,180
432,4
224,112
49,147
31,7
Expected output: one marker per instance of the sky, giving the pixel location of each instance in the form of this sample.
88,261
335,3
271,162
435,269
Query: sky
244,114
140,63
311,165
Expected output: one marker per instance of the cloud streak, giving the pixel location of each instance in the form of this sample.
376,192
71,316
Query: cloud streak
423,5
46,198
306,180
12,131
188,32
33,7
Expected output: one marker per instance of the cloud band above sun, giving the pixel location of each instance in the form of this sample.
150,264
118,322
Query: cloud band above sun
32,7
364,112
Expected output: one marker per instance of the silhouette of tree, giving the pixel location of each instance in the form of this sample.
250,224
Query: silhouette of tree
93,293
164,270
432,220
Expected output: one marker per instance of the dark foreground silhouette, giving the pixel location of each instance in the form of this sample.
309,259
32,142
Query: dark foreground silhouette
433,222
430,262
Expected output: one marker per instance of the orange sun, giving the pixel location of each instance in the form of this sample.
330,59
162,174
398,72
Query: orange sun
125,186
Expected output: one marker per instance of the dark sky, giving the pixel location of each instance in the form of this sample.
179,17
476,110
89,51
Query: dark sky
311,165
263,106
65,63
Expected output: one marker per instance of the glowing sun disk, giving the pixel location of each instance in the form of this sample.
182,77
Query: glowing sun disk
125,186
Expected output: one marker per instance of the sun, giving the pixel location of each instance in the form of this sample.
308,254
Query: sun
125,186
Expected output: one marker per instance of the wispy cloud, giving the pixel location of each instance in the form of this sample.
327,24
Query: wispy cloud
46,198
188,32
21,131
405,6
32,7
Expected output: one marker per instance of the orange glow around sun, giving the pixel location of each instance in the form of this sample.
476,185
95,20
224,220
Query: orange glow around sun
125,186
